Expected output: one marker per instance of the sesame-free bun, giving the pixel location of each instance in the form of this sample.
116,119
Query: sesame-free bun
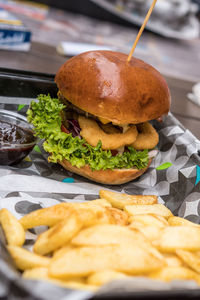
104,84
113,177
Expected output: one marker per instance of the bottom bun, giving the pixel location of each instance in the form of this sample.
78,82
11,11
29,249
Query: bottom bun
116,176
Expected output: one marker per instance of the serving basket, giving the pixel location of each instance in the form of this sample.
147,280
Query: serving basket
35,183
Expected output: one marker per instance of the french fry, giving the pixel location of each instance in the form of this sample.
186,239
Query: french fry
117,216
48,216
14,232
192,260
172,260
59,252
36,273
150,232
198,253
175,273
51,216
120,200
83,261
42,274
87,217
149,220
115,237
58,235
149,225
177,221
178,237
101,214
100,201
136,225
105,276
25,259
89,212
108,235
157,209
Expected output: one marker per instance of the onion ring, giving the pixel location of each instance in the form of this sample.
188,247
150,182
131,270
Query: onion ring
147,137
92,133
110,128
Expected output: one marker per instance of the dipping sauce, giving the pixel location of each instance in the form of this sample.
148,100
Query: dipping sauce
15,143
13,134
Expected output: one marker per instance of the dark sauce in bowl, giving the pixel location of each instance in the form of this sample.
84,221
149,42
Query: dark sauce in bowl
12,134
15,141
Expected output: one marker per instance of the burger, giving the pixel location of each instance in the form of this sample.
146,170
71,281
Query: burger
99,125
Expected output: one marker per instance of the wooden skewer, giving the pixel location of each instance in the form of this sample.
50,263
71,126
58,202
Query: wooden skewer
141,29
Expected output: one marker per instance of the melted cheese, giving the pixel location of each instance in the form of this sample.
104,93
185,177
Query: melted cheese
104,121
125,127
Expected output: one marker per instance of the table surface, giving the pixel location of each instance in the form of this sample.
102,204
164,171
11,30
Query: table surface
44,58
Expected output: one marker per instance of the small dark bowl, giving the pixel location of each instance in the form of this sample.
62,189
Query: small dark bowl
10,152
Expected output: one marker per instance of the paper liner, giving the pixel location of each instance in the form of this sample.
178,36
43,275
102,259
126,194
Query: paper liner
34,183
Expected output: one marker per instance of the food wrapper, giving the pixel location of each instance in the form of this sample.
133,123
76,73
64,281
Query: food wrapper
34,183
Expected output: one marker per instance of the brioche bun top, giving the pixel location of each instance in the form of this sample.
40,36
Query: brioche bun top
104,84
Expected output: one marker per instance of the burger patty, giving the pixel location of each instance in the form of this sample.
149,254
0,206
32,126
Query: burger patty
72,112
140,136
71,109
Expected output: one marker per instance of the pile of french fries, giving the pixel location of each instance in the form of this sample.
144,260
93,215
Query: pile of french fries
92,243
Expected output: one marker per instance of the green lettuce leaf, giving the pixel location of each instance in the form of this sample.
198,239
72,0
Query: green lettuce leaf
46,116
164,166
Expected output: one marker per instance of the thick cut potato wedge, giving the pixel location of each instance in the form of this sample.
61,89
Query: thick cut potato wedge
42,274
192,260
93,212
149,220
59,252
108,235
25,259
105,276
48,216
112,238
14,232
83,261
157,209
117,216
36,273
120,200
175,273
101,213
178,237
101,201
89,213
172,260
58,235
177,221
150,232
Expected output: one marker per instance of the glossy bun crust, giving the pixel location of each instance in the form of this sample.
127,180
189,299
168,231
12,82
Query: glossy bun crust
104,84
113,177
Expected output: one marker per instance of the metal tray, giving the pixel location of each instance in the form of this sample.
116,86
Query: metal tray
20,87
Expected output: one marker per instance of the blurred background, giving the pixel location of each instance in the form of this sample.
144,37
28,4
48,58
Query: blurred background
40,36
170,42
